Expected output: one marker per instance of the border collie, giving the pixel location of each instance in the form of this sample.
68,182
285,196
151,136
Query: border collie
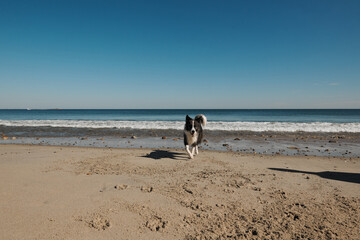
193,133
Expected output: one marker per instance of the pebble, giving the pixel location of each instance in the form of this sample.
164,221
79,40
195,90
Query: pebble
294,148
121,186
146,189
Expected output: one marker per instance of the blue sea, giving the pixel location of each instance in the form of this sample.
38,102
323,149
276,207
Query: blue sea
284,120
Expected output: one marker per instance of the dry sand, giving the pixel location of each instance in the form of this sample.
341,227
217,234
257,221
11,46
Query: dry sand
97,193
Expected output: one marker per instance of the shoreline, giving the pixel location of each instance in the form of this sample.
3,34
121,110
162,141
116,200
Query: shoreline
272,148
48,131
268,143
183,152
59,192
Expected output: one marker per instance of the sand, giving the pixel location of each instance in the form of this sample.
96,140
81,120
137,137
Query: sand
100,193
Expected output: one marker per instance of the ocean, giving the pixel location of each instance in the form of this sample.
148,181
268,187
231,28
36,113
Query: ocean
257,120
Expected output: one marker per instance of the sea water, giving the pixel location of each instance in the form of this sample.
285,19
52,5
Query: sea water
284,120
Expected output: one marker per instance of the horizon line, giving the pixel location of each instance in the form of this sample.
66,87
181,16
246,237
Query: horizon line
31,109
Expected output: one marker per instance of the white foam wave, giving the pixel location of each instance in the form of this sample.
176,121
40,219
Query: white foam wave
227,126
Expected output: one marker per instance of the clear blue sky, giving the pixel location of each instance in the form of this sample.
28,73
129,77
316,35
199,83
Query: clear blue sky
179,54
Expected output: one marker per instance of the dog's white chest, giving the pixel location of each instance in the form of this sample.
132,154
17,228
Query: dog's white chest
192,138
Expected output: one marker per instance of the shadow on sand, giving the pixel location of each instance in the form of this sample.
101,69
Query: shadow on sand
340,176
160,154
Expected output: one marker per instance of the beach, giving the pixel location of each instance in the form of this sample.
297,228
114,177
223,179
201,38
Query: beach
104,105
124,174
63,192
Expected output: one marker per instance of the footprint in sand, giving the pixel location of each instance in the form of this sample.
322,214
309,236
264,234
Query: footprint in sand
156,224
99,223
96,221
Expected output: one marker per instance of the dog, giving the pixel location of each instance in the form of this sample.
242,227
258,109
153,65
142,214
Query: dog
193,133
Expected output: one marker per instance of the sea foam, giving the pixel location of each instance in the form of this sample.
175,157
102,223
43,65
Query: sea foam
179,125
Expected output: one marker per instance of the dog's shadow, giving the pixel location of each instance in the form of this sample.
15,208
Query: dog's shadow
160,154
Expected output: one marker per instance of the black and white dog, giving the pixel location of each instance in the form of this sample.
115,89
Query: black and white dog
193,133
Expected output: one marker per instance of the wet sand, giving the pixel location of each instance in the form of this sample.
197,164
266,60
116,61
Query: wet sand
58,192
268,143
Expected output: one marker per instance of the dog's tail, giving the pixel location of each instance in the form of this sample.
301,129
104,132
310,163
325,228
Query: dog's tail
202,119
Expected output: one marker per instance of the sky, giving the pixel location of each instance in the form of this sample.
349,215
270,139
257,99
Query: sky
179,54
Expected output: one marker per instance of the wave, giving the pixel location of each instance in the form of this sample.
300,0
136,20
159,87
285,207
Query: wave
179,125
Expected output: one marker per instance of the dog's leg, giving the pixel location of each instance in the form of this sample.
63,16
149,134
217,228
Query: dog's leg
188,151
196,150
193,151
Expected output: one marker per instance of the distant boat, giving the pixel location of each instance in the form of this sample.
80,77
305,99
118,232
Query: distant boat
28,109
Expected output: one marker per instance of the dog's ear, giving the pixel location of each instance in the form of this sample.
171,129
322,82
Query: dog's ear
188,118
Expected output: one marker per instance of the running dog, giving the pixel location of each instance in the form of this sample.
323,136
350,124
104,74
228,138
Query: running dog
193,133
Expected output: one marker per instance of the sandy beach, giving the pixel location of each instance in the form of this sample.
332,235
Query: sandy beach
57,192
103,102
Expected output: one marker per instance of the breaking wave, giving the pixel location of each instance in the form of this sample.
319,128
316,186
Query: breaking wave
226,126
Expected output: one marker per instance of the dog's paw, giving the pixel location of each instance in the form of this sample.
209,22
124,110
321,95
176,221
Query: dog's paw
191,156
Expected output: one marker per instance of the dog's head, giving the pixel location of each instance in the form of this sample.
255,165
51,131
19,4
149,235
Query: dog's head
192,125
